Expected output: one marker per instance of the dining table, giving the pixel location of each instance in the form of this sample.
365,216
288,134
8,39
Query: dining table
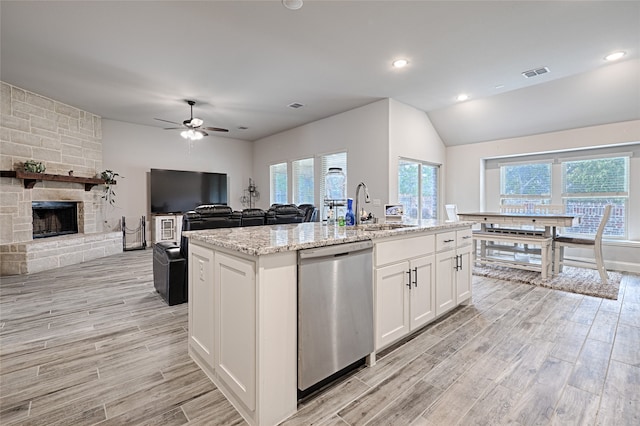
522,234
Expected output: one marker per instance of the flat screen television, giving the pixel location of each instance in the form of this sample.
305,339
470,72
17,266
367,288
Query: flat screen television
177,191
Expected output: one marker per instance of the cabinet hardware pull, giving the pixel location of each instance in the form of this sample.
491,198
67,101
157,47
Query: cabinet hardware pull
466,237
409,282
448,241
460,263
415,276
456,267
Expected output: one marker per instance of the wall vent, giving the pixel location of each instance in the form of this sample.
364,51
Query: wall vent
295,105
535,72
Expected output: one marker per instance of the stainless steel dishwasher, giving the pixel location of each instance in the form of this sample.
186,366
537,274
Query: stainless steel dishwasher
335,310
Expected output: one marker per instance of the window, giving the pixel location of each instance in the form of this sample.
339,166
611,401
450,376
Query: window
418,189
302,179
522,184
338,159
589,185
278,183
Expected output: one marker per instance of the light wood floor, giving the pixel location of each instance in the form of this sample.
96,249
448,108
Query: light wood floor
94,344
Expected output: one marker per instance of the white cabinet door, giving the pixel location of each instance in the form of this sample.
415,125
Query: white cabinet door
463,274
422,292
392,303
235,354
445,281
201,311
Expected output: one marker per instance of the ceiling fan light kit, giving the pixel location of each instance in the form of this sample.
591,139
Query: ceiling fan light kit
194,135
192,128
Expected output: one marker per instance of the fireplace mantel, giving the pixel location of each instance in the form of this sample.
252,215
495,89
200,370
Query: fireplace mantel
30,178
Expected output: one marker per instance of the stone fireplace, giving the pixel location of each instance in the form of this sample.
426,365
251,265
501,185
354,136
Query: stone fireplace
37,229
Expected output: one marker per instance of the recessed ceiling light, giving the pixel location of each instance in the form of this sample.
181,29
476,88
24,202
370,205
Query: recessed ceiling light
499,86
462,97
614,56
292,4
400,63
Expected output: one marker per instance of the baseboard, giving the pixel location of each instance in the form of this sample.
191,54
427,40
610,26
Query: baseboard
631,267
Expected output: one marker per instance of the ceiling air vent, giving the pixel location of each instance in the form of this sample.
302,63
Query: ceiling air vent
535,72
295,105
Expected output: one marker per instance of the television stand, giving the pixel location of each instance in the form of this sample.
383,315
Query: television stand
166,228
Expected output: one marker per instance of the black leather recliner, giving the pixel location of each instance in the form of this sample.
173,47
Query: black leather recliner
169,273
284,213
310,212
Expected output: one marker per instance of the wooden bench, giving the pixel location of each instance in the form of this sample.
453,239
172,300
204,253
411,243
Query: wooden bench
514,241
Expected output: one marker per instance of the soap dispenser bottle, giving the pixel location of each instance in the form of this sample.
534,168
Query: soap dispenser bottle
349,217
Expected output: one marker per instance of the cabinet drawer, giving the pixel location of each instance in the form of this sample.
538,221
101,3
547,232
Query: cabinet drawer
445,241
396,250
464,237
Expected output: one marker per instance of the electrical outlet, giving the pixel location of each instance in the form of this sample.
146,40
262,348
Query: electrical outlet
376,201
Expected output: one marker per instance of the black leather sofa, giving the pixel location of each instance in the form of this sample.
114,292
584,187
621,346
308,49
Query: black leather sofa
284,213
209,216
253,217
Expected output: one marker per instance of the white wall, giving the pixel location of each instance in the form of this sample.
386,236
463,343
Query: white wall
362,132
464,162
132,150
374,136
466,176
412,136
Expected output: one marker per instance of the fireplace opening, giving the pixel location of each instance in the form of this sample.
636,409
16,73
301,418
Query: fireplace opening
53,218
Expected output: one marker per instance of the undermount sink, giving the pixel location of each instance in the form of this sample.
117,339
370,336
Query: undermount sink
382,226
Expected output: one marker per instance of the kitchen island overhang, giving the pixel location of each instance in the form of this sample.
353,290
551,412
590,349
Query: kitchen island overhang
243,304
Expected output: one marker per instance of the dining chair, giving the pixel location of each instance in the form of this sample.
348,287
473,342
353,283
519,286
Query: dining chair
561,242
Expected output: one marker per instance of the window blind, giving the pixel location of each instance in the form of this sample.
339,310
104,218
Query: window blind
302,181
278,183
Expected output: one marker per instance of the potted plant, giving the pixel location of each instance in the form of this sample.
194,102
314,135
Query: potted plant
109,177
34,166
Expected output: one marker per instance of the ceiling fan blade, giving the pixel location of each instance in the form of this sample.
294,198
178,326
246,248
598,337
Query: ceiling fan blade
167,121
172,128
216,129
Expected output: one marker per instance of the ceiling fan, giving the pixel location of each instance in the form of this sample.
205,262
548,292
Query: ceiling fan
192,128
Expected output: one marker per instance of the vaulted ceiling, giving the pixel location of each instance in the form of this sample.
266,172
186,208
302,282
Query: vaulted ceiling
244,62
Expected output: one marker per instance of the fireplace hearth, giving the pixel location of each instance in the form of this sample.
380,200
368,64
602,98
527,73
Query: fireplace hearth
53,218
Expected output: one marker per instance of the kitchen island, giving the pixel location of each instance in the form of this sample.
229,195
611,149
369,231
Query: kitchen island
243,299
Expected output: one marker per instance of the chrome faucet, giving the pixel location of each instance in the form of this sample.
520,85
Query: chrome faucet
366,199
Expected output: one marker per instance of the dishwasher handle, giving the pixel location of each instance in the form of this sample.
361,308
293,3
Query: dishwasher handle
335,250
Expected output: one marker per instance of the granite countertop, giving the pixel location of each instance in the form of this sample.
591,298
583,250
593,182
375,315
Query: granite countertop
259,240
